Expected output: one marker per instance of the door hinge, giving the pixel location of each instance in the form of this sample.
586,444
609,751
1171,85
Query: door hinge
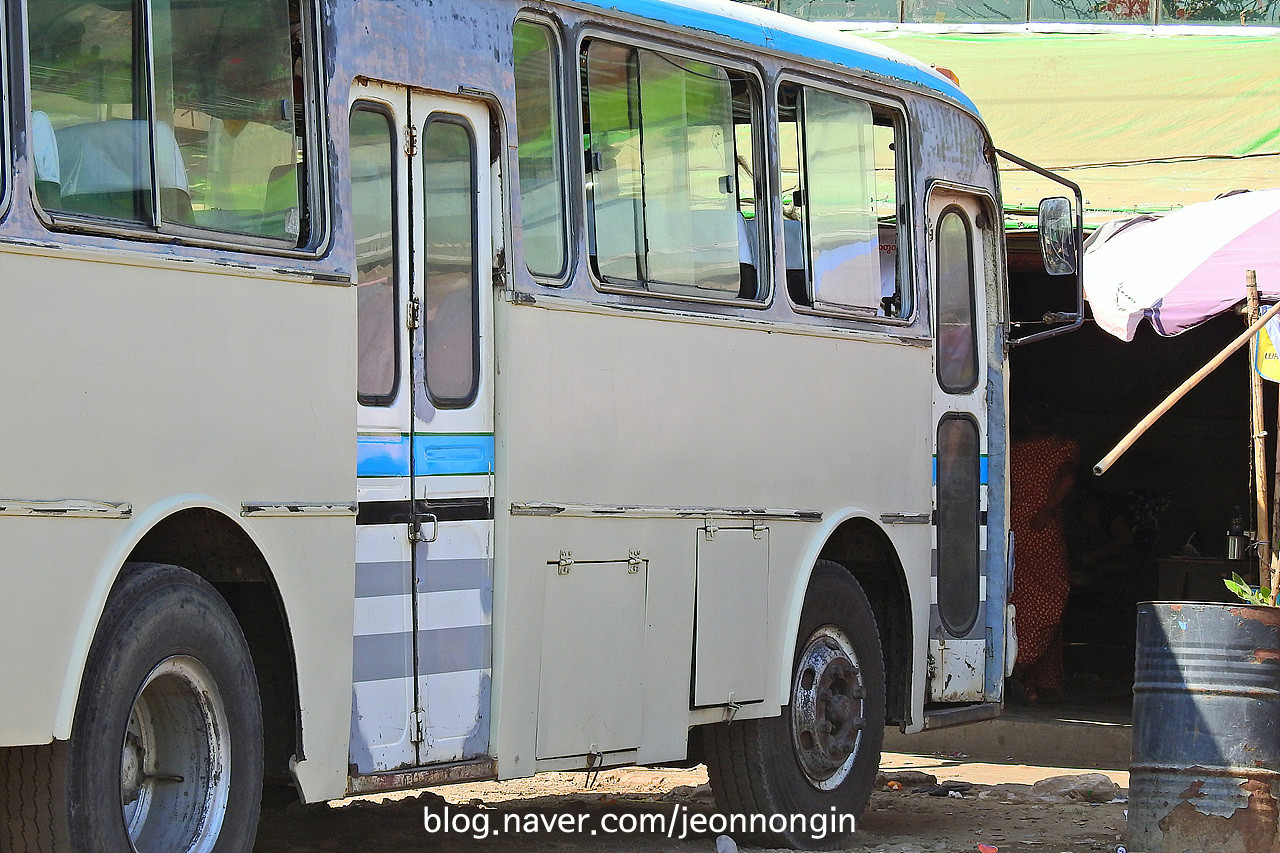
564,563
634,561
418,724
413,313
410,141
500,269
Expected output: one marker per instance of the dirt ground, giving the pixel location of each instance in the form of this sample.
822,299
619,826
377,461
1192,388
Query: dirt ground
898,821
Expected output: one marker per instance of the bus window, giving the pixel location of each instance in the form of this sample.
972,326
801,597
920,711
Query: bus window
224,147
225,87
89,109
841,217
792,195
449,263
843,251
373,217
542,190
667,211
749,210
895,295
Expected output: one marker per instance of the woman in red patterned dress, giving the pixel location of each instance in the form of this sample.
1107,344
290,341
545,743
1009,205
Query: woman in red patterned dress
1042,468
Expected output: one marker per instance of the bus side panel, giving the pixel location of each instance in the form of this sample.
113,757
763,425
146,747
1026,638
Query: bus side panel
135,380
613,408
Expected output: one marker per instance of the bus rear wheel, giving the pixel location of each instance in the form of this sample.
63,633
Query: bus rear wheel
804,773
165,754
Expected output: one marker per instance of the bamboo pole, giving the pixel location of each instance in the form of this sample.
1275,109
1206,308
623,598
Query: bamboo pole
1194,380
1259,430
1275,524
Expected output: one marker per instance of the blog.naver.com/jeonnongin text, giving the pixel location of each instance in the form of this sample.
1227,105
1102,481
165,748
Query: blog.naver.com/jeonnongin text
679,823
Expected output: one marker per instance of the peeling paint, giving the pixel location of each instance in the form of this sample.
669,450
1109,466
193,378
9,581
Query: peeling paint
1251,828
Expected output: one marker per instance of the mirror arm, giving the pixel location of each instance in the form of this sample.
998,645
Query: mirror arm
1076,320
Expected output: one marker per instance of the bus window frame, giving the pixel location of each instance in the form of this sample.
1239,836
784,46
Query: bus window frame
383,401
559,114
318,198
446,117
763,202
904,178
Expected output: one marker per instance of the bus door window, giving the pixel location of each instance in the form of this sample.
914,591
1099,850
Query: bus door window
957,330
959,522
841,216
373,155
450,263
668,137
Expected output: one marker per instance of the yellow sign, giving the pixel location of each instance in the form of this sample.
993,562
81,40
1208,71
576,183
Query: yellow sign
1267,361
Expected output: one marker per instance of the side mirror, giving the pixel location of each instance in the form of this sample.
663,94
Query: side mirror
1058,236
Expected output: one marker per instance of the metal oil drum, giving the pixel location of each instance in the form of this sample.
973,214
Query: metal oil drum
1205,774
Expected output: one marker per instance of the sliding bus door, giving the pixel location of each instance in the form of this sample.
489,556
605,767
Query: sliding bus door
420,202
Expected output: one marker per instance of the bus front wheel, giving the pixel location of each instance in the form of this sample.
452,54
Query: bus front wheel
165,754
799,778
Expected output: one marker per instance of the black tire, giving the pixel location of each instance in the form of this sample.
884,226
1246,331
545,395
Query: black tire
169,680
759,767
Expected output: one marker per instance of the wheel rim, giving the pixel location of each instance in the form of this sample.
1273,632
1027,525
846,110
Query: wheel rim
175,767
828,708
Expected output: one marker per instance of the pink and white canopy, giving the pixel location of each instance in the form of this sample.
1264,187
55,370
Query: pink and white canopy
1180,269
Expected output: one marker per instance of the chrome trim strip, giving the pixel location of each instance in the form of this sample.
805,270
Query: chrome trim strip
906,517
622,511
73,508
282,509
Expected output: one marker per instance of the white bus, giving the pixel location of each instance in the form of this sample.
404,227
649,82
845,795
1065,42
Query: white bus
401,393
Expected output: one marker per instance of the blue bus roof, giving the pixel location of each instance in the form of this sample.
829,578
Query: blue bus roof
770,31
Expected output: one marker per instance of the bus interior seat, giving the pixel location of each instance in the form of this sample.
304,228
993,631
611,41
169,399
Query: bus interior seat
44,150
793,251
748,259
284,185
99,169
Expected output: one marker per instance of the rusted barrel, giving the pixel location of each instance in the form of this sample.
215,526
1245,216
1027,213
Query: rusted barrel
1205,774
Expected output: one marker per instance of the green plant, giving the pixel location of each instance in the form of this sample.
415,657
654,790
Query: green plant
1246,593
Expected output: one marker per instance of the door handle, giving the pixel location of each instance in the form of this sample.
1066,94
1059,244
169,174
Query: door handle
415,532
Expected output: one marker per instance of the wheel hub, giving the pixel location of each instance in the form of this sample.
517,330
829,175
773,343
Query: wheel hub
132,776
827,708
175,761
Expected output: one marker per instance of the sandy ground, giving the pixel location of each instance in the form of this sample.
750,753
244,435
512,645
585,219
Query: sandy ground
898,821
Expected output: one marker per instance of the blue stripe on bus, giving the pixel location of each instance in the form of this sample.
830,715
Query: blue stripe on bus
388,455
770,31
983,471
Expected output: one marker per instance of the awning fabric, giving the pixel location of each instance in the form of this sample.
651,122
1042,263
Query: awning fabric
1143,122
